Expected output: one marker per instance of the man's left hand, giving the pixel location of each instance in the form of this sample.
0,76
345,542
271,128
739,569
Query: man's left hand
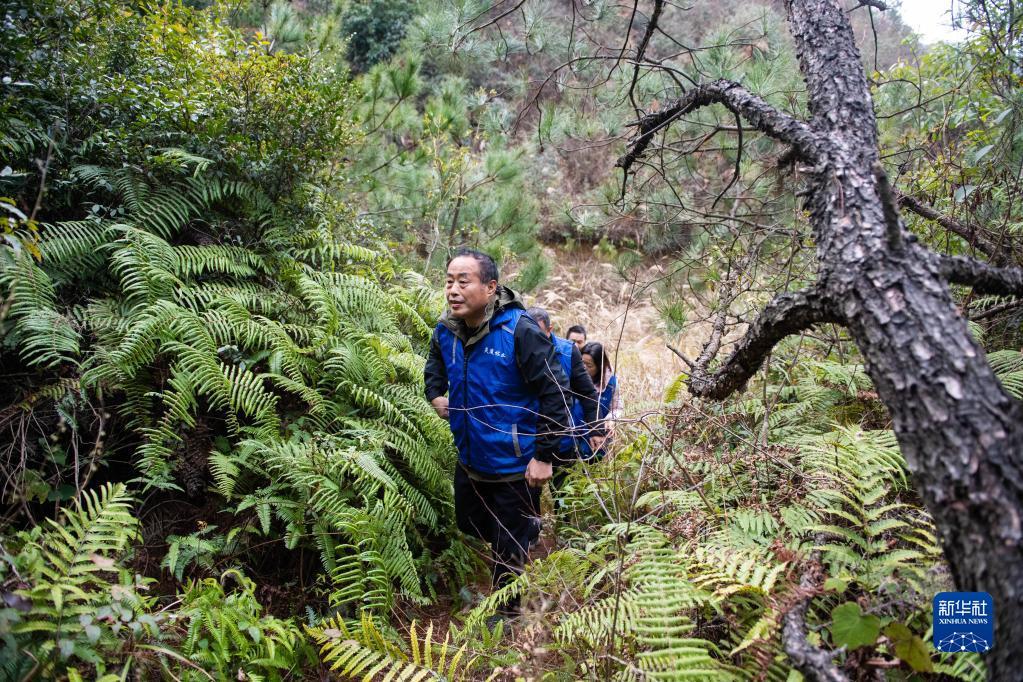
596,442
538,473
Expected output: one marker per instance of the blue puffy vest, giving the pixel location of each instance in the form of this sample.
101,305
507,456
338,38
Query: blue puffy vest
563,347
493,415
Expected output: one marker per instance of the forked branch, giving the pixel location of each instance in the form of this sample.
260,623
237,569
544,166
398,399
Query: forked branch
757,112
787,314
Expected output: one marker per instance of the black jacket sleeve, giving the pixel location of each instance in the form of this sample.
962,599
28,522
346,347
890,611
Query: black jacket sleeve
585,392
435,373
542,374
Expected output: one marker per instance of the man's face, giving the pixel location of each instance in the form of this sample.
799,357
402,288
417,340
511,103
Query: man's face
467,296
543,327
578,338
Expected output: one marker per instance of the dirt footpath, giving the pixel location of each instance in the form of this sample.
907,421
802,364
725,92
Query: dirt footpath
620,314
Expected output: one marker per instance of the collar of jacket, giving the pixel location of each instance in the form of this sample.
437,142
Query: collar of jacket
504,298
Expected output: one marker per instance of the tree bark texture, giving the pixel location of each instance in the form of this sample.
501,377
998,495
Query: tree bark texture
960,432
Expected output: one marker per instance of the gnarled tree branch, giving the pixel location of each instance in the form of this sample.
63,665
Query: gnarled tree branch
787,314
994,311
951,224
983,277
757,112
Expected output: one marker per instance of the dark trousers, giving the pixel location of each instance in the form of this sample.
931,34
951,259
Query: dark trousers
562,465
503,514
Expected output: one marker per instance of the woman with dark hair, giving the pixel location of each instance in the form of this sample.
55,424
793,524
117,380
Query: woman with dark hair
598,364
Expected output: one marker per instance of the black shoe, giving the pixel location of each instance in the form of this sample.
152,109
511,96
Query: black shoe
497,620
534,536
507,614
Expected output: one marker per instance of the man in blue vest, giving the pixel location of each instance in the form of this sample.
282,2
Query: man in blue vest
505,406
580,397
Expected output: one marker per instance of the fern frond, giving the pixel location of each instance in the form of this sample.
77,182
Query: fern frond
363,653
77,561
234,261
42,335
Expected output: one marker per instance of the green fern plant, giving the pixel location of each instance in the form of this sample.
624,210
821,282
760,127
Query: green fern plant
42,335
330,332
199,549
303,350
873,535
74,602
1008,367
359,650
226,633
696,585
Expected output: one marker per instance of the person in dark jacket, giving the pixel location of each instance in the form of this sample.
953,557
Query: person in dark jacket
504,403
580,394
577,335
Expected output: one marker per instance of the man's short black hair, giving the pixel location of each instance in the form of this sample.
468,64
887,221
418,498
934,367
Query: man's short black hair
576,329
539,315
488,268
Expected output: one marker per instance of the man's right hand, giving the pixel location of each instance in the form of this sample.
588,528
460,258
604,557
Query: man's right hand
440,405
538,473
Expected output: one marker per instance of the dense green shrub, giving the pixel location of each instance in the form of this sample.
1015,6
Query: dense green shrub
375,29
187,309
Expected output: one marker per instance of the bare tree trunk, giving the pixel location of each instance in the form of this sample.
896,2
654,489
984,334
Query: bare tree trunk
961,434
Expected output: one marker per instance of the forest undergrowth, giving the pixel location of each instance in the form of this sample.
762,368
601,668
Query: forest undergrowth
685,551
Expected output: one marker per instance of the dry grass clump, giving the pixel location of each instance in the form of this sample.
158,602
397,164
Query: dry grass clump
583,289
